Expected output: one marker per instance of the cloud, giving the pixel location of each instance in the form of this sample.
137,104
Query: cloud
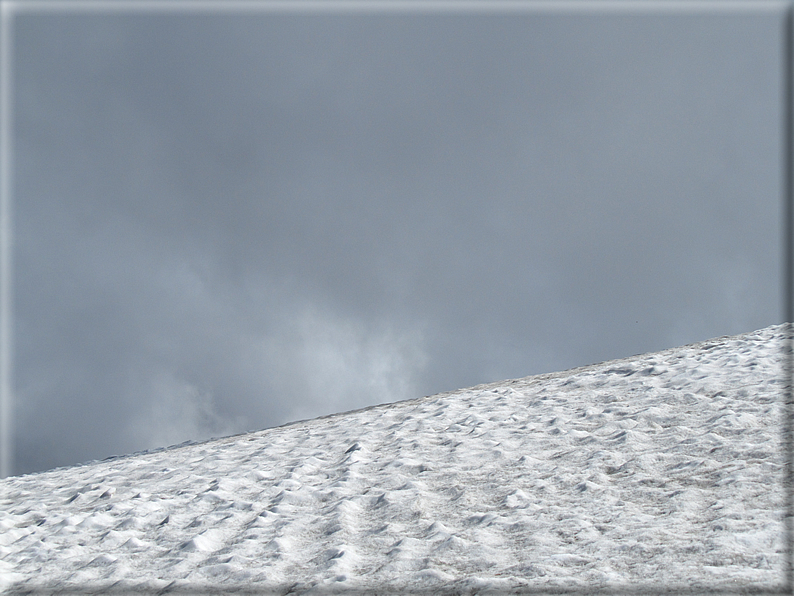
221,356
322,362
175,411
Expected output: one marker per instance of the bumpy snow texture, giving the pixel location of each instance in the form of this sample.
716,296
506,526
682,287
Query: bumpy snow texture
657,471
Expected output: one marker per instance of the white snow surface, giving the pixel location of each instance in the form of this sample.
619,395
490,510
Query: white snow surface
659,470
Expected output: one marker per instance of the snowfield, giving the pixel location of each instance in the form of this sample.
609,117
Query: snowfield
663,470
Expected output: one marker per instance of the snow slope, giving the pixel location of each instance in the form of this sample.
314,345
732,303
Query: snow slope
659,470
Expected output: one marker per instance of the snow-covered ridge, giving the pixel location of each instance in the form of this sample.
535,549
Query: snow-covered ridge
662,469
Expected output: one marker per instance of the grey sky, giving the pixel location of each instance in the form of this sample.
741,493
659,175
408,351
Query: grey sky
227,222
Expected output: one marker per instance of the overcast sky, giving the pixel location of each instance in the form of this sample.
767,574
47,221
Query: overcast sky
228,222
